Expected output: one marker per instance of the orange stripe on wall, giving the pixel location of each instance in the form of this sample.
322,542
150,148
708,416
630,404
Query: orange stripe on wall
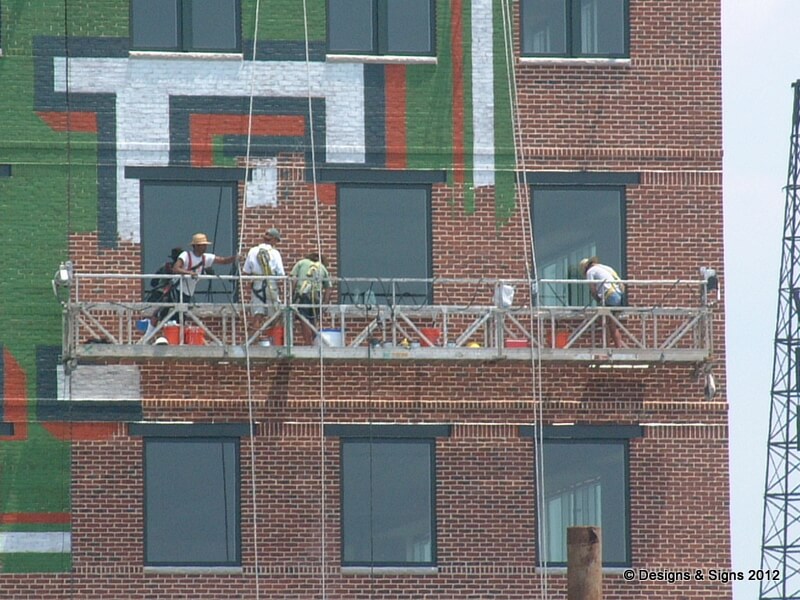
82,431
457,34
396,134
15,399
34,518
80,122
202,129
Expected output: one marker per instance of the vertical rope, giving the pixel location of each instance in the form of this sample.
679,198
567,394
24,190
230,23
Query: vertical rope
244,307
531,276
323,496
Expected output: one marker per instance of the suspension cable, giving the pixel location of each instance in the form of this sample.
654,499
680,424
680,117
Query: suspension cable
318,309
532,277
244,308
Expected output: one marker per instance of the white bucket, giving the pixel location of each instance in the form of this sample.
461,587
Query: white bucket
332,337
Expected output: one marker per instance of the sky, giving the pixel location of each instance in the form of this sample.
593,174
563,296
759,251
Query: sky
761,60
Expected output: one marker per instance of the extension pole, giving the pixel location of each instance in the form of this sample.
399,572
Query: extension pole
584,564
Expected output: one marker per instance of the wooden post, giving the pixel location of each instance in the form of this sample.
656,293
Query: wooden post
584,564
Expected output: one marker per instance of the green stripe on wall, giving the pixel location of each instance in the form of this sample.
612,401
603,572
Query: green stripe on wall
505,160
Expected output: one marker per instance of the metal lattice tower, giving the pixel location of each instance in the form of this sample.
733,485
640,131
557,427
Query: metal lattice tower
780,547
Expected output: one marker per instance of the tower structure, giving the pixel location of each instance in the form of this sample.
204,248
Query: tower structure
780,550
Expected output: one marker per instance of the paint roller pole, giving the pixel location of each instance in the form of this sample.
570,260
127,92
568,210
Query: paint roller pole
584,564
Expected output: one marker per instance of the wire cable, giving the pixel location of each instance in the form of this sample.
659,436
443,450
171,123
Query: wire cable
531,276
321,360
244,307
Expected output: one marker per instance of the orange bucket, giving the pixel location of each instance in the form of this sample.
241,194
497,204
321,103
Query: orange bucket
173,334
562,337
194,336
432,333
275,335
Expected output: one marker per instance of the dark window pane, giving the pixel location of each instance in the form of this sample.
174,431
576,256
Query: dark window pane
585,484
351,26
410,30
172,213
154,24
384,233
544,26
191,502
602,27
387,502
213,25
571,224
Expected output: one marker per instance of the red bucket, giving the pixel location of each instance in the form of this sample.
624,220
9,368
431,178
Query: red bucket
432,333
173,334
275,335
194,336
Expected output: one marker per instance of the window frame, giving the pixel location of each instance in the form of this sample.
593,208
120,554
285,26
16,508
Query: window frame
380,36
344,293
620,435
175,179
184,31
431,444
426,433
581,292
189,438
572,27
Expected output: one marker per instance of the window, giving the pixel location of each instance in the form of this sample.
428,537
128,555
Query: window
384,234
174,211
388,500
397,27
185,25
586,483
575,28
571,223
192,502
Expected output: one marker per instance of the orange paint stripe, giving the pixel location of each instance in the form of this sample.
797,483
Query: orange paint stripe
457,35
80,122
202,129
15,399
34,518
396,134
82,431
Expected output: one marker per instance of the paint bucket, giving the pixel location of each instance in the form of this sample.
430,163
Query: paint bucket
274,335
562,337
332,337
173,334
432,333
194,336
523,343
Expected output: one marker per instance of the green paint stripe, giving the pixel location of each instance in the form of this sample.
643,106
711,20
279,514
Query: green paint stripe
469,130
430,94
505,161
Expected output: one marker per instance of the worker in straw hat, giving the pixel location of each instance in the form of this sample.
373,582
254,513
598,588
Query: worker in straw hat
606,288
193,263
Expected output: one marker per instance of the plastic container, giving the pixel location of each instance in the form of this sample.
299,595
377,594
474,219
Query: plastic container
194,336
432,333
562,337
332,337
274,335
523,343
173,334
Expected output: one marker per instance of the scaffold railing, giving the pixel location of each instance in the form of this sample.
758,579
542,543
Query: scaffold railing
664,320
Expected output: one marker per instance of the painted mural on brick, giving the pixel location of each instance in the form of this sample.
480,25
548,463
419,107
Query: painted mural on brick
82,113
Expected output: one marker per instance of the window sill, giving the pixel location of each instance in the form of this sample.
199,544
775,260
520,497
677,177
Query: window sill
196,570
389,570
160,54
556,60
381,59
618,571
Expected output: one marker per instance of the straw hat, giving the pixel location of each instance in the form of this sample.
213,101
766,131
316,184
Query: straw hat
200,239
